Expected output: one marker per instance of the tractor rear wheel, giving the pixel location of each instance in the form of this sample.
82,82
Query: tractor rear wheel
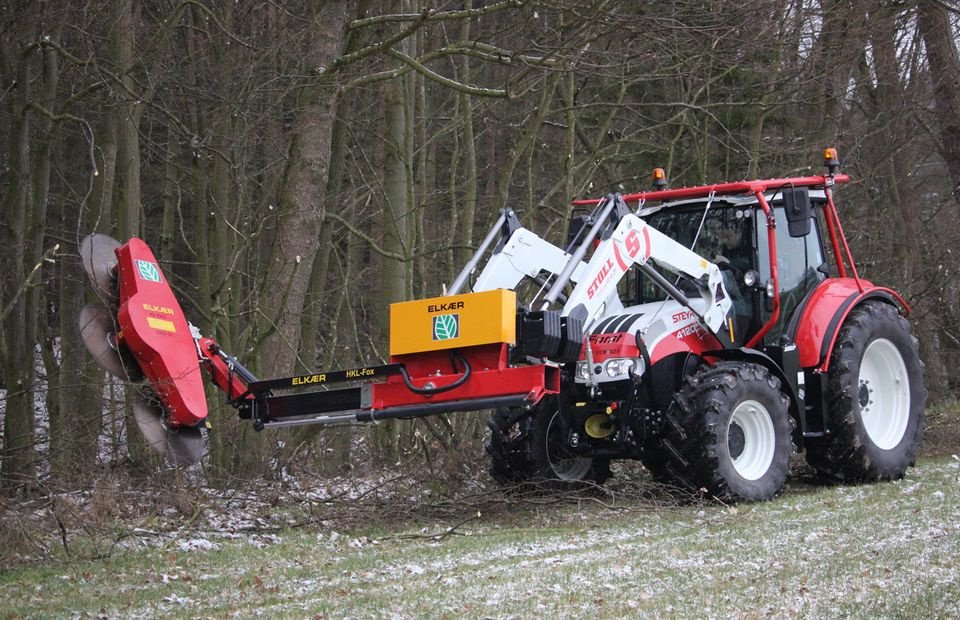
876,399
729,433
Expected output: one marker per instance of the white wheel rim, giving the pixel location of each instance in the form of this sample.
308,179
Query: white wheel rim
751,439
564,468
884,394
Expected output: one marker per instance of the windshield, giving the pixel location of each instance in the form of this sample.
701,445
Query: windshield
722,233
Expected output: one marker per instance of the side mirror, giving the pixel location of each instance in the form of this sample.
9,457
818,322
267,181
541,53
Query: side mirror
796,203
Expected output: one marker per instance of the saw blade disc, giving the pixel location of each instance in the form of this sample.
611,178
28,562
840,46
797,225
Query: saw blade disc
149,417
186,445
182,446
98,334
99,260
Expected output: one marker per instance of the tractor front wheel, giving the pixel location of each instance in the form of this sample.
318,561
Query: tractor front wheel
509,445
729,433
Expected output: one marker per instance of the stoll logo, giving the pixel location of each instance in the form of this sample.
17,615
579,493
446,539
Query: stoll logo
148,271
446,326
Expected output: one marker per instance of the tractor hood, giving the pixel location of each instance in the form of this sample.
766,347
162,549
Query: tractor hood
645,333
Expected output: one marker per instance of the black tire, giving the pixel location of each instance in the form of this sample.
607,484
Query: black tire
876,399
656,460
509,446
729,433
531,447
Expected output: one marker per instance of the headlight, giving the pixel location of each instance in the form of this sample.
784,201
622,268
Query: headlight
583,371
620,367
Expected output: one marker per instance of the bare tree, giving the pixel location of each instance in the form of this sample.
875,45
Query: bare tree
943,62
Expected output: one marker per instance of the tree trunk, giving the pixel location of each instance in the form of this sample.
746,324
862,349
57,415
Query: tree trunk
396,215
75,418
335,440
302,200
302,204
23,211
128,123
944,64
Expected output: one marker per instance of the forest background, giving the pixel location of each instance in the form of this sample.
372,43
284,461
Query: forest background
297,165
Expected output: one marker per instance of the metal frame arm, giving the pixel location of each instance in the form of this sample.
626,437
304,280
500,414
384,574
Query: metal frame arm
634,242
507,218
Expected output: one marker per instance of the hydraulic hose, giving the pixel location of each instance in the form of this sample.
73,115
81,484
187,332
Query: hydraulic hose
425,391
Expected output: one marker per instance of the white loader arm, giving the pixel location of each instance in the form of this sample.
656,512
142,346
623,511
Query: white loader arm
523,255
634,241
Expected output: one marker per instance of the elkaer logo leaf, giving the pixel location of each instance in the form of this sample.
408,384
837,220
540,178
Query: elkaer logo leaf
446,326
148,271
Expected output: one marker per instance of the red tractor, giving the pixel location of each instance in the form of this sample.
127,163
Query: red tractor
709,332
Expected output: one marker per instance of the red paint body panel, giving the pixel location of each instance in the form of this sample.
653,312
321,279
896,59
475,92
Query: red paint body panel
818,313
687,340
489,377
153,327
826,310
607,346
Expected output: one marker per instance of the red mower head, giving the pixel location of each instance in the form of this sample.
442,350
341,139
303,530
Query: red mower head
154,329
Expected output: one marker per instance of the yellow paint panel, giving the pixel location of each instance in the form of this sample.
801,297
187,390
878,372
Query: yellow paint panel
450,322
161,324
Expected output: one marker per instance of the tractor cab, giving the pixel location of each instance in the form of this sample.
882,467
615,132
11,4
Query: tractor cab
732,232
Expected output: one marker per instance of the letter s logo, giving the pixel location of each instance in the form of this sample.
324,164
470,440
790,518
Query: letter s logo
633,243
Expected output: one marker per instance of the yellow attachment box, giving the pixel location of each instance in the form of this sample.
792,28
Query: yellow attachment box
451,322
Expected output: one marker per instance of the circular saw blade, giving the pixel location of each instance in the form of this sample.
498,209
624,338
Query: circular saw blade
99,259
186,445
98,334
149,418
182,446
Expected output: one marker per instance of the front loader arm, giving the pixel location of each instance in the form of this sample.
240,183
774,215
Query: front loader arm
634,242
524,254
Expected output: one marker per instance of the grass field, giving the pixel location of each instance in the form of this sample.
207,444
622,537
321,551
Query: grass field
888,550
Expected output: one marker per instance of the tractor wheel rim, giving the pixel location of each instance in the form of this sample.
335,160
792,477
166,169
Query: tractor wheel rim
884,394
565,466
751,440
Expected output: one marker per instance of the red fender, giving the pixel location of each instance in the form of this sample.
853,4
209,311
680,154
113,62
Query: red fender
825,310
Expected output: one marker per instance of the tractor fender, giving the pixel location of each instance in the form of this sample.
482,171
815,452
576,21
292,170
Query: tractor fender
817,322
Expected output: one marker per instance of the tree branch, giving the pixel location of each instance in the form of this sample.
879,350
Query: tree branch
373,244
28,282
453,84
376,47
433,15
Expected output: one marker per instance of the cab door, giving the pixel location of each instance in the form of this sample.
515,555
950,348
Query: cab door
800,267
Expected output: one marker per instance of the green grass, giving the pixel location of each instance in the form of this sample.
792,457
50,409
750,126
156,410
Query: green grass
887,550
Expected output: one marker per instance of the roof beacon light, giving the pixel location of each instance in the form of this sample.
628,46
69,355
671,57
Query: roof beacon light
659,179
831,161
